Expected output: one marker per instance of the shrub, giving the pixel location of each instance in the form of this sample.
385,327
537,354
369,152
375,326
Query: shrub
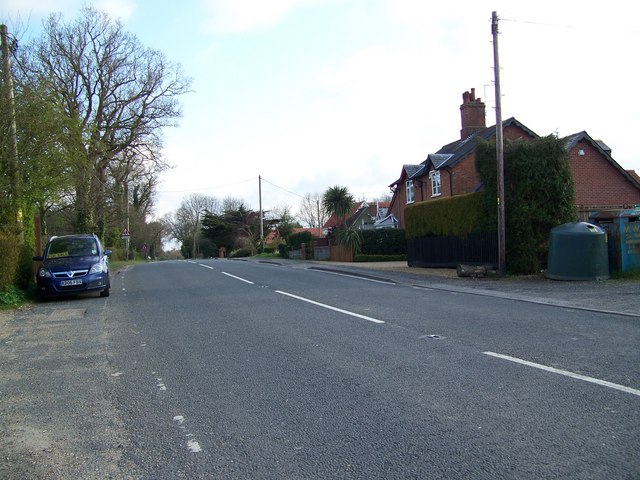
384,241
297,239
12,296
10,258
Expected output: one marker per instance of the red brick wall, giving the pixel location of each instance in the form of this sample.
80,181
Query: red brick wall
597,181
399,201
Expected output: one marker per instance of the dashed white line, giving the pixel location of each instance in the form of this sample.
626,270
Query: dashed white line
329,307
206,266
566,373
238,278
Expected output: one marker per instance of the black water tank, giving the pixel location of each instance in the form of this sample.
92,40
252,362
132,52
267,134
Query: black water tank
578,251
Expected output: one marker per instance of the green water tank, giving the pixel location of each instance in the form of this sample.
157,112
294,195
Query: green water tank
578,251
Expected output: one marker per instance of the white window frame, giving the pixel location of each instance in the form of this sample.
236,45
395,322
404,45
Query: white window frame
436,186
410,193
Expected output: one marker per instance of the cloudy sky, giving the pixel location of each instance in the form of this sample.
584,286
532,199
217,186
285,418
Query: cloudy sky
314,93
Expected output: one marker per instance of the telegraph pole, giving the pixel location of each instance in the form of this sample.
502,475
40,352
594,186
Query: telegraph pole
14,172
502,264
261,214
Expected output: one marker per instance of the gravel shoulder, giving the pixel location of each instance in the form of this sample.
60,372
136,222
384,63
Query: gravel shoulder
56,417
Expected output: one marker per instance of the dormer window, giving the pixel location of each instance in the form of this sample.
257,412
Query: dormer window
434,175
409,188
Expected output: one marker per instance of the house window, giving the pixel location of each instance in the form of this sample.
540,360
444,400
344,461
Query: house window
435,183
409,185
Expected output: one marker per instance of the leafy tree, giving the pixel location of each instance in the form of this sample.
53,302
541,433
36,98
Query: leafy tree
233,229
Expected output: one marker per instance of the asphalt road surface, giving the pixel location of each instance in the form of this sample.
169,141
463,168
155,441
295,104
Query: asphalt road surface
233,370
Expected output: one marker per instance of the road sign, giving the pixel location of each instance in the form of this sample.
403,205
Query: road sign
125,234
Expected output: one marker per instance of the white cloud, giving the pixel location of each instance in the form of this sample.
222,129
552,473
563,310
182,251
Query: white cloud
237,16
118,9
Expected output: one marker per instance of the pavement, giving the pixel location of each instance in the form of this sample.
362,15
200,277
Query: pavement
612,296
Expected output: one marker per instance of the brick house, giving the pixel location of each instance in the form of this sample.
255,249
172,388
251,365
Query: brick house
599,180
451,170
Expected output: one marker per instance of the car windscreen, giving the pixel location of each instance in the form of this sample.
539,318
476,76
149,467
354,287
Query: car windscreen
72,247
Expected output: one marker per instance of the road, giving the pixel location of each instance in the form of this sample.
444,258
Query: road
234,369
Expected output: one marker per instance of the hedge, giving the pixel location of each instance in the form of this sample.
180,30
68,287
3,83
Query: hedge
457,216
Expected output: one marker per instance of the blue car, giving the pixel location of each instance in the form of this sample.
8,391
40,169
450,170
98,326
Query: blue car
73,264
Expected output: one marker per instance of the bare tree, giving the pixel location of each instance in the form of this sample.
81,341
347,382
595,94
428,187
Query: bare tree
312,211
119,94
185,225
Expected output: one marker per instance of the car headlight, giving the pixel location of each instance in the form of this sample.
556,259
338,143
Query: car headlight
43,272
97,268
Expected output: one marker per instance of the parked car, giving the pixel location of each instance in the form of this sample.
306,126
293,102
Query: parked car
73,264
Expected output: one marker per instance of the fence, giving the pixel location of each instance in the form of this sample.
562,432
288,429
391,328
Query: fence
448,251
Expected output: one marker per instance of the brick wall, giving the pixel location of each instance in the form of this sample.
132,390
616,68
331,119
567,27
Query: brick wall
598,182
399,201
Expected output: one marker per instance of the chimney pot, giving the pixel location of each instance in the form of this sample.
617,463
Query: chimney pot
472,112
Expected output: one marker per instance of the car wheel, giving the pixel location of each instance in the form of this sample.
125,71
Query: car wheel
105,292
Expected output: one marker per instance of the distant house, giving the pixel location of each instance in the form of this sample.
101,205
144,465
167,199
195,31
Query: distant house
315,232
451,170
599,180
365,216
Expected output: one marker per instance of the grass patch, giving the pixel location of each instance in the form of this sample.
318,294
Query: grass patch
12,298
630,275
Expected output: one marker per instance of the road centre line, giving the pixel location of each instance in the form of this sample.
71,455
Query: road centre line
238,278
329,307
566,373
206,266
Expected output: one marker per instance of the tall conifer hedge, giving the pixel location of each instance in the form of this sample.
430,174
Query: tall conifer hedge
539,195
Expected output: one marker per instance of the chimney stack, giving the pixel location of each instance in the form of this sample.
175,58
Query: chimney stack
472,113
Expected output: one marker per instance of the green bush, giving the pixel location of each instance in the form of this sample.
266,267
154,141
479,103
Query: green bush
12,296
283,250
539,195
384,241
25,274
297,239
457,216
10,258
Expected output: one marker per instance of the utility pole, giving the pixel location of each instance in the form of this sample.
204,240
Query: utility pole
14,172
261,214
502,264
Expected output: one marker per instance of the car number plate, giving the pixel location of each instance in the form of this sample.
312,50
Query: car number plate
68,283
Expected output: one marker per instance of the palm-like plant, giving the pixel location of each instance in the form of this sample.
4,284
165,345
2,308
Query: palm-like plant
338,201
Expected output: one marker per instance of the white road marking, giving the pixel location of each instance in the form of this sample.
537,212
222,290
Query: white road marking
566,373
193,446
329,307
206,266
238,278
356,276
